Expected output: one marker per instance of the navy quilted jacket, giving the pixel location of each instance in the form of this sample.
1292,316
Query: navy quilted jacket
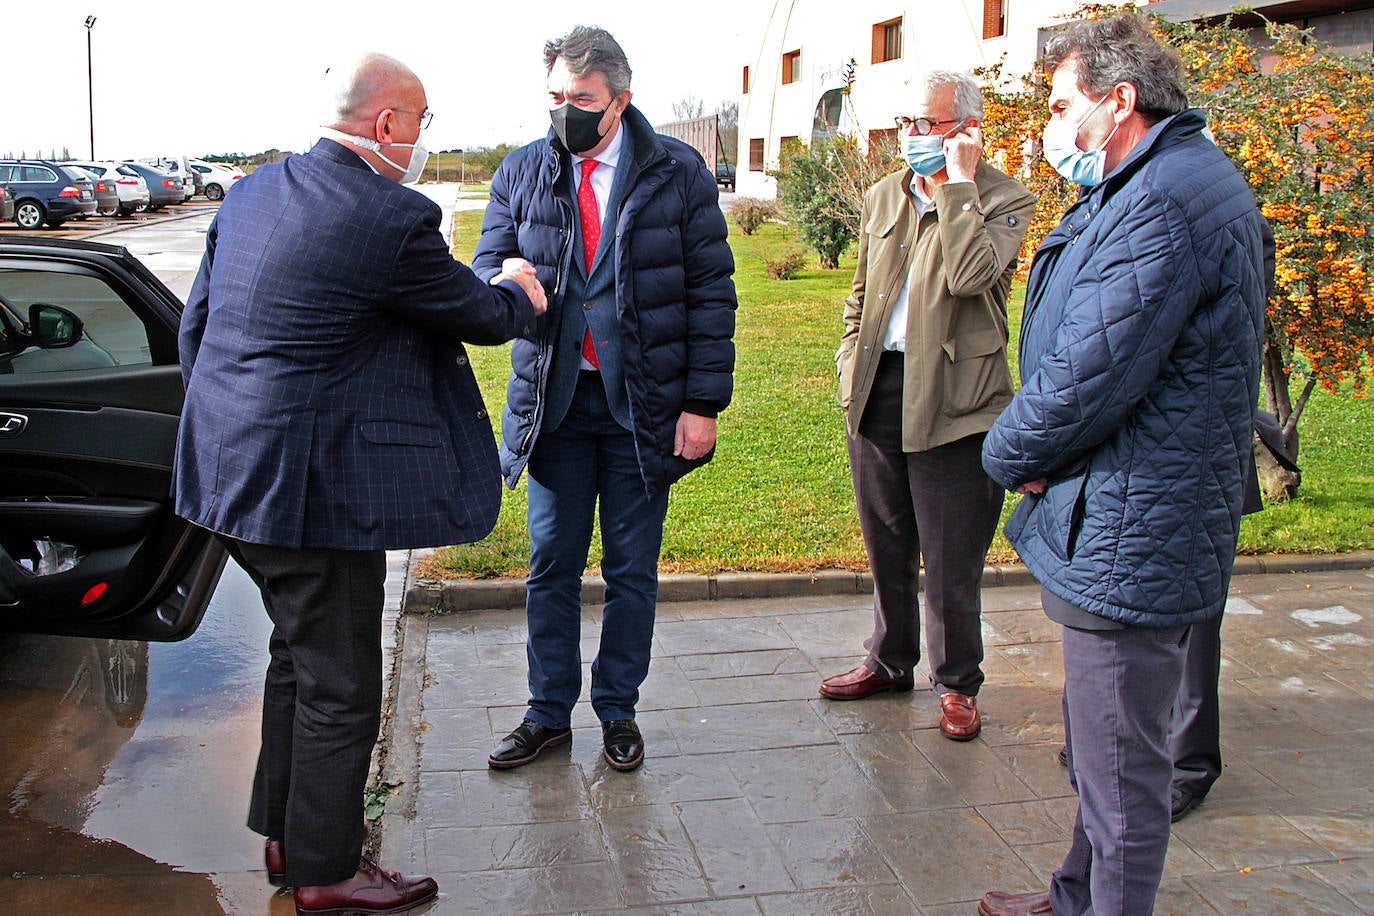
1140,364
675,299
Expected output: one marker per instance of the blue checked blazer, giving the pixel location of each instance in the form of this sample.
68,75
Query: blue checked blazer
329,400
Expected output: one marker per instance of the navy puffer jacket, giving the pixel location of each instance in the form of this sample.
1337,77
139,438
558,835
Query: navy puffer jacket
1140,364
675,299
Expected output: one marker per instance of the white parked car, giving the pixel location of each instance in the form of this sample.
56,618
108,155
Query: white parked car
216,178
128,183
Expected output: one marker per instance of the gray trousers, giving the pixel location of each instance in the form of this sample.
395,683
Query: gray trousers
1119,692
1196,741
937,505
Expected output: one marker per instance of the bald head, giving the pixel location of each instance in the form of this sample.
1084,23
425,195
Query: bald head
376,83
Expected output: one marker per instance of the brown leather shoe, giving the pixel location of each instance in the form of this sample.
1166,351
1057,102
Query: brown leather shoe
959,717
274,851
372,890
996,903
860,682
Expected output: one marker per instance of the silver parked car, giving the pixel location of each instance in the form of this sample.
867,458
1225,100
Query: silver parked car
128,184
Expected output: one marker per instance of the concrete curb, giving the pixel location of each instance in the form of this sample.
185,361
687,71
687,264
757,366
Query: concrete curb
424,596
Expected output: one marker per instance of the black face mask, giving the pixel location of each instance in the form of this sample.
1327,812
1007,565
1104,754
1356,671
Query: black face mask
576,127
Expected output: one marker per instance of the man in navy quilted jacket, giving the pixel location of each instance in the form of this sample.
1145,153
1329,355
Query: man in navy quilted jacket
1131,434
615,394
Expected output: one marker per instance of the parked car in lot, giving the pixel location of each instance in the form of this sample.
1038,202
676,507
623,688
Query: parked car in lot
129,185
106,197
89,545
163,188
6,204
180,166
216,177
47,192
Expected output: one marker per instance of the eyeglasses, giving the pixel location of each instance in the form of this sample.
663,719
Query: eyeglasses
425,116
922,126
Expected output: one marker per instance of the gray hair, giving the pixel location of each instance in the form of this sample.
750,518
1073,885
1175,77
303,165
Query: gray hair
368,88
587,50
1122,50
968,97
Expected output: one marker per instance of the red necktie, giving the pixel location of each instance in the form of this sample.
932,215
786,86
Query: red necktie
591,235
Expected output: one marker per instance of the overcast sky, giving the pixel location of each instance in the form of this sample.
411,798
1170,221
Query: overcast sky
248,75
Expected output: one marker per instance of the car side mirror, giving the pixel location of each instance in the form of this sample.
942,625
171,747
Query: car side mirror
53,327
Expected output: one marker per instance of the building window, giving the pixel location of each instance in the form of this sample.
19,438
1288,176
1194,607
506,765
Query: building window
746,81
887,40
882,143
994,18
791,67
756,154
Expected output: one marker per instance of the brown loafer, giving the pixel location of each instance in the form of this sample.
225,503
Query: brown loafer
860,682
959,717
372,889
997,903
274,852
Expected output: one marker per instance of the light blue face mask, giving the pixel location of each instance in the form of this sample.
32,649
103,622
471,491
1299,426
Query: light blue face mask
1060,143
926,154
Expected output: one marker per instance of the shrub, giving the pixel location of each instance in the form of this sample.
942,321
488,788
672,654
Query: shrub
753,212
786,265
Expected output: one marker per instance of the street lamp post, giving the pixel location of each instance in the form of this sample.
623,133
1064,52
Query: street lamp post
462,168
90,82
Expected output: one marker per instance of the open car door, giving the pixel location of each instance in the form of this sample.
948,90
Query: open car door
90,396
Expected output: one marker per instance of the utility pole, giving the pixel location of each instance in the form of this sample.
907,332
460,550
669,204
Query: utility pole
90,82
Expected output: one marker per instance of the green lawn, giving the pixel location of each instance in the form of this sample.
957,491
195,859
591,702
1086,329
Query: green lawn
777,496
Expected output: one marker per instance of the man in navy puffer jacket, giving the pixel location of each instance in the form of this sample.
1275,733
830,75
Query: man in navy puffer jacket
615,395
1140,365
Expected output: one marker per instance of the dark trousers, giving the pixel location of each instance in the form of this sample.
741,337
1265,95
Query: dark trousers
1119,692
321,703
937,505
1196,740
590,458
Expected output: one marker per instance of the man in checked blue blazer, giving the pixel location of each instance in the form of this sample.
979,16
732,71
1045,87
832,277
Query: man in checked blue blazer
330,415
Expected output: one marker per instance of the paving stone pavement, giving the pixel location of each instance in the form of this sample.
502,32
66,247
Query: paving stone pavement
759,797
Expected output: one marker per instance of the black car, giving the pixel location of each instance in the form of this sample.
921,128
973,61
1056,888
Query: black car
47,192
90,396
163,187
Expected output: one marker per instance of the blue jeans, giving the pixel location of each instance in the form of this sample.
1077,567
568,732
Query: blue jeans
590,456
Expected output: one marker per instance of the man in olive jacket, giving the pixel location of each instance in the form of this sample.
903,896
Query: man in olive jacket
923,375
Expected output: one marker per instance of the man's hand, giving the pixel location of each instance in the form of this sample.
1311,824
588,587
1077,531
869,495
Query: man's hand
523,273
963,152
695,436
1034,486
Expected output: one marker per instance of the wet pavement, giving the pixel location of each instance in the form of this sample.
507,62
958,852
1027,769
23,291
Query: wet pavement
759,797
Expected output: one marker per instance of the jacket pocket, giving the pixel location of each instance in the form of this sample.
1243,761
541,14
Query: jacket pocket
976,372
392,432
1059,514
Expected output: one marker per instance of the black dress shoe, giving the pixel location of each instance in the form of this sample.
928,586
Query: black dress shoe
624,745
1064,756
1183,802
524,744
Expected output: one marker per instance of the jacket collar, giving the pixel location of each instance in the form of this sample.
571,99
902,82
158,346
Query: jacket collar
337,152
1163,134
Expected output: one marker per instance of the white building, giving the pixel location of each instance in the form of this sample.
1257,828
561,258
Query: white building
793,88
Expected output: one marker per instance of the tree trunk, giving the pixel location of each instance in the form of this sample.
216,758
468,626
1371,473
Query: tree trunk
1277,482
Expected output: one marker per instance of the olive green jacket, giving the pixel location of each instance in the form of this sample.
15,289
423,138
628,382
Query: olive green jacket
965,247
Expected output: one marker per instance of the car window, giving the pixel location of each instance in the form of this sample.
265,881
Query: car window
5,171
37,173
113,334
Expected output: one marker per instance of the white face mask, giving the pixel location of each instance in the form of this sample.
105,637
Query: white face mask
413,167
1060,139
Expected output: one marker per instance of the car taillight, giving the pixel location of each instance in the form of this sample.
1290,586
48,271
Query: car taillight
169,182
69,191
126,181
101,187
